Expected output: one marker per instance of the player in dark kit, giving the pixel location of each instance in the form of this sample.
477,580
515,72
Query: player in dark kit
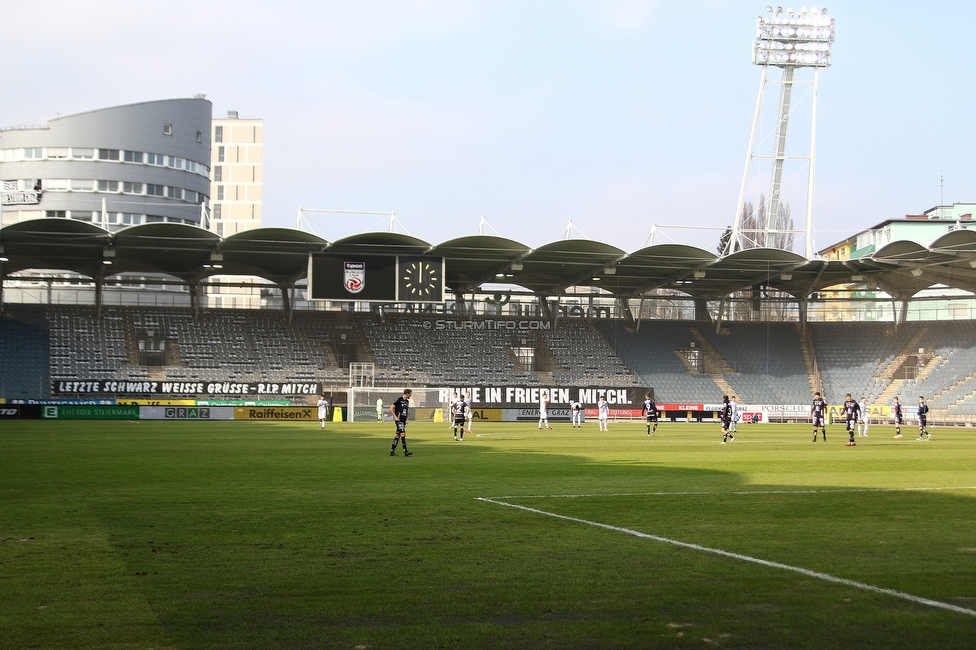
899,418
650,412
726,414
852,411
400,409
460,415
819,414
923,411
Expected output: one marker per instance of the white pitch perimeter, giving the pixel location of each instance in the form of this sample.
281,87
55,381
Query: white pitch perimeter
732,492
746,558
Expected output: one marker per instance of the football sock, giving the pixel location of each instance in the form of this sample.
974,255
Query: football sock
897,431
655,428
403,441
395,441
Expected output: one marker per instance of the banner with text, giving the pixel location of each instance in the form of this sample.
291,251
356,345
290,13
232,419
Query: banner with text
209,388
518,397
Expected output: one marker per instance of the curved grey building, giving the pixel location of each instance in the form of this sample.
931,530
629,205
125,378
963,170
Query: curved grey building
114,167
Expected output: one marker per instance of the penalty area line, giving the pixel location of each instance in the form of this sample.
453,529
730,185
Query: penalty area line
826,577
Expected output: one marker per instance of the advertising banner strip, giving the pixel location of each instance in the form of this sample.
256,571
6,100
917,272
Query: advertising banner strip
200,413
90,412
241,402
277,413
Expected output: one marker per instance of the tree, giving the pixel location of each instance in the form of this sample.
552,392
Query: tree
753,226
723,242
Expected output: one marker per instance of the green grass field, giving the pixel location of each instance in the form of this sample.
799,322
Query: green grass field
254,535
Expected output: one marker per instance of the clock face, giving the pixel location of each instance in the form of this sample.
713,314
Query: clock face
420,280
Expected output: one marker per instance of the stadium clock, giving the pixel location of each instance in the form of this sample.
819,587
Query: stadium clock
421,280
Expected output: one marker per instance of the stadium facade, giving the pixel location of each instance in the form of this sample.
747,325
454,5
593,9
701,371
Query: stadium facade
113,167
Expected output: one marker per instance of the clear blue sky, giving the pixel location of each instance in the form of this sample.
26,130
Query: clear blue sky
614,114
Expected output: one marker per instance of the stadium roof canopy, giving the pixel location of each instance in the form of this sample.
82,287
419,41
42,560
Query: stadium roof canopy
280,255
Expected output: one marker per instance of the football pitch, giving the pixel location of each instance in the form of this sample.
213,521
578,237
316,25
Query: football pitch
264,535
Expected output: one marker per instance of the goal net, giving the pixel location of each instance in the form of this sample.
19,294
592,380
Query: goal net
426,404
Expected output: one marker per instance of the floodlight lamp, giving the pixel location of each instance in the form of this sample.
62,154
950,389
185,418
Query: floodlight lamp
699,274
499,275
595,278
609,270
218,266
107,262
917,271
786,276
4,258
216,257
516,266
108,252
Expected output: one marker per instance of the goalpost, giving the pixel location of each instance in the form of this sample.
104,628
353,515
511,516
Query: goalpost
426,404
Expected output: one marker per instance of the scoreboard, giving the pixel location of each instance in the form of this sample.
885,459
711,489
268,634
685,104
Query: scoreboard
375,278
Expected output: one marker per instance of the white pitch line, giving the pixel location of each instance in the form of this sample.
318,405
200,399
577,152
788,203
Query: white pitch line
737,493
826,577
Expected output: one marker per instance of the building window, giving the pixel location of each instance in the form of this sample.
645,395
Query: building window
218,174
152,218
199,136
82,186
218,134
155,158
220,228
33,153
154,190
79,215
11,186
108,186
108,154
131,219
220,192
56,184
167,129
174,192
133,156
216,211
220,154
57,152
56,214
80,153
132,188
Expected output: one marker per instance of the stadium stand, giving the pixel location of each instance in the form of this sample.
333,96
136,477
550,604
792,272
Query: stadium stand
585,356
767,359
24,355
683,361
406,351
653,353
948,378
853,356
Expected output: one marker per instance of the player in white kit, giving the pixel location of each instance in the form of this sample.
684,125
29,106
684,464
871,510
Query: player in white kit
604,413
544,410
865,421
469,413
577,410
323,405
735,414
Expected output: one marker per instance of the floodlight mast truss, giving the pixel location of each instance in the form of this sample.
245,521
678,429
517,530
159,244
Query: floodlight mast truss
787,40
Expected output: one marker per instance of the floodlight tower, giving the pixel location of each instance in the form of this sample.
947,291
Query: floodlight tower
788,40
